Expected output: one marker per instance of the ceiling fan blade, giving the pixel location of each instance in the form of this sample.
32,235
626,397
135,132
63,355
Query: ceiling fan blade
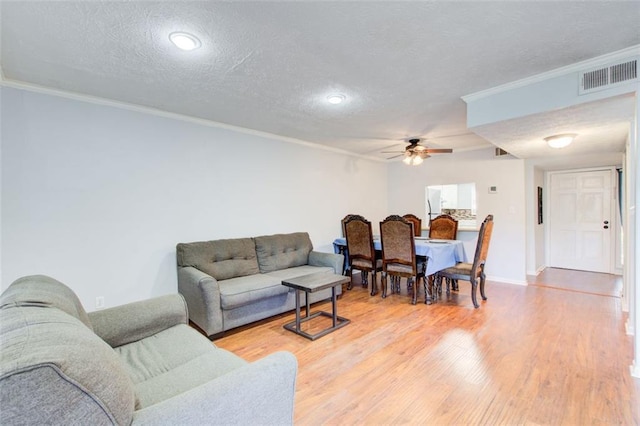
395,156
390,152
439,150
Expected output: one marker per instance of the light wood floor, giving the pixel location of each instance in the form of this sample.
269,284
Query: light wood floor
580,281
528,355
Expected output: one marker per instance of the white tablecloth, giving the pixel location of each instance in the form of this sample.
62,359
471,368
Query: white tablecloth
440,254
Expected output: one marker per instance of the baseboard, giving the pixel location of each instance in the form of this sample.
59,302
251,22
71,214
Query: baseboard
506,280
536,272
635,370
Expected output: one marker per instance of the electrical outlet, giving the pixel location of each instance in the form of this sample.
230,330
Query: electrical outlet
99,302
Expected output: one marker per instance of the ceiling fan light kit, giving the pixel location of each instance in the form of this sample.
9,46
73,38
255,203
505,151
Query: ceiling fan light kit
560,141
413,160
415,154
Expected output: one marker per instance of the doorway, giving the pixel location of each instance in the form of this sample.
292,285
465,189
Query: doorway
582,224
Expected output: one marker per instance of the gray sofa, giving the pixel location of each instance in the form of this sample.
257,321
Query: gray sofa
229,283
134,364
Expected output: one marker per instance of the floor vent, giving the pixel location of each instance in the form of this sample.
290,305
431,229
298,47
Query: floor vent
608,76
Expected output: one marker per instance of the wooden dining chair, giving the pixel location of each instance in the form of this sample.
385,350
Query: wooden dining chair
399,256
417,223
472,272
362,255
443,227
344,220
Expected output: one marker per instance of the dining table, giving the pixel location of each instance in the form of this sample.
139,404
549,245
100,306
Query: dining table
437,254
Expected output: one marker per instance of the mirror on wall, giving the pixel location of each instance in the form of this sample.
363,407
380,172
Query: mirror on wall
457,200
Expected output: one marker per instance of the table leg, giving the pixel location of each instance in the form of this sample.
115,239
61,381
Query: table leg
298,309
306,300
333,306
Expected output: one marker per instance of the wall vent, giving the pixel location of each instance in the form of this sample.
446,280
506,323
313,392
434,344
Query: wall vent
608,76
501,152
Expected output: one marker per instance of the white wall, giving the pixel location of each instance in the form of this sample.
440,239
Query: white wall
507,259
535,232
98,196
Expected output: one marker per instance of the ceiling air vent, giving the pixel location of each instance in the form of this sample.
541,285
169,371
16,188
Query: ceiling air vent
500,152
608,76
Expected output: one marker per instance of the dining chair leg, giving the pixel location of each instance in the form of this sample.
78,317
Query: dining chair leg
414,285
474,288
349,273
482,279
374,285
383,282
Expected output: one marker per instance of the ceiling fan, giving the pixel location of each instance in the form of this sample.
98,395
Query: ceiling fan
415,153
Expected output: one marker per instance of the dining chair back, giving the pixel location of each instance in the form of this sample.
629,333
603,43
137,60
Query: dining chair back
399,255
472,272
362,255
344,220
443,227
417,223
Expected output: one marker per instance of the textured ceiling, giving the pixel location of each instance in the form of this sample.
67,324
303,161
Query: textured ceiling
603,128
269,66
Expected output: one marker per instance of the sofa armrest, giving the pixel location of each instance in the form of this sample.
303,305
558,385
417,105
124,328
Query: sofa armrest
261,393
334,260
202,293
134,321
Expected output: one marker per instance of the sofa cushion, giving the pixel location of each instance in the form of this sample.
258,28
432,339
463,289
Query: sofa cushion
174,361
222,259
54,367
44,291
299,271
282,251
242,291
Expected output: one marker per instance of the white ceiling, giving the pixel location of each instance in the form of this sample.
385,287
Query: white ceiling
269,66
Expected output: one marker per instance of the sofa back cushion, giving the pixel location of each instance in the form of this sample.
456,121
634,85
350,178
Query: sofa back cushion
53,368
44,291
222,259
282,251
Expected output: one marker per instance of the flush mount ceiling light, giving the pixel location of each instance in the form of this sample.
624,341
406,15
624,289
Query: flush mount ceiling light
336,99
184,41
560,141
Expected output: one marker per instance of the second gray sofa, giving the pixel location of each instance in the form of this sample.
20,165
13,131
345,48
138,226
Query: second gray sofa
134,364
232,282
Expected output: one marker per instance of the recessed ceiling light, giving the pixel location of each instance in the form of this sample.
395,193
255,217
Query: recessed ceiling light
185,41
336,99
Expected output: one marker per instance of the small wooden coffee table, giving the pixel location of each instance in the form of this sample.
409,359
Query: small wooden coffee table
311,284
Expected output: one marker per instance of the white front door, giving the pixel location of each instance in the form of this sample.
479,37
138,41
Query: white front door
580,220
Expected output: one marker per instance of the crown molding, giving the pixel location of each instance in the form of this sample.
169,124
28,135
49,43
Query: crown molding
577,67
165,114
